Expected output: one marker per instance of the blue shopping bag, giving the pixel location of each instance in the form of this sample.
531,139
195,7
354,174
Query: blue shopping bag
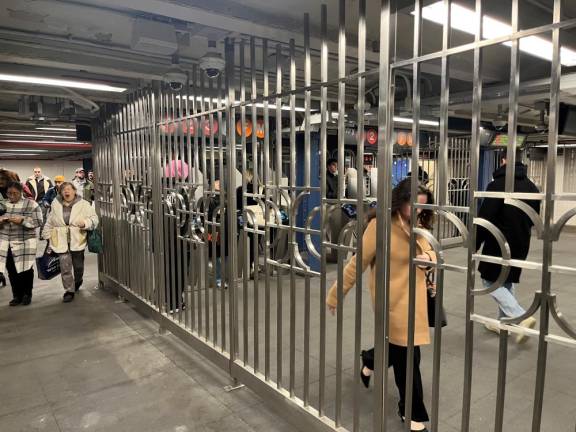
48,265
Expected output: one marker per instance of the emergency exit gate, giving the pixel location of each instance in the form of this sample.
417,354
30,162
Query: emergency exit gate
167,177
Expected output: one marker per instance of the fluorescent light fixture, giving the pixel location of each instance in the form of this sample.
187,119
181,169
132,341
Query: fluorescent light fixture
201,99
38,142
24,79
56,129
283,107
17,135
23,150
422,121
463,18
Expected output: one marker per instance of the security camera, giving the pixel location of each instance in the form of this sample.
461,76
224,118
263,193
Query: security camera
176,78
499,123
212,63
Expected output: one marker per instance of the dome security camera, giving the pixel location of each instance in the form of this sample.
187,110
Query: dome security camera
176,78
213,64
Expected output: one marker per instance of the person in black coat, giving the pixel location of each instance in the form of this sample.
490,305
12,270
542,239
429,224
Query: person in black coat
332,179
517,228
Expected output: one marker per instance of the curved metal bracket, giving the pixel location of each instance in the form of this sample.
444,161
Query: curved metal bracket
560,223
457,222
308,236
434,243
530,212
504,249
529,312
559,317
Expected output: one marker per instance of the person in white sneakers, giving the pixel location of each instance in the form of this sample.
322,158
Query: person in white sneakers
66,228
517,228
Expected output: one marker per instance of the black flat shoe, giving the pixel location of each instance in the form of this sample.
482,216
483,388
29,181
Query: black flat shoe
26,300
68,297
403,419
15,302
365,378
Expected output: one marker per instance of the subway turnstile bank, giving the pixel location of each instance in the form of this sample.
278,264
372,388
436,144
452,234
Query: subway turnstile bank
234,264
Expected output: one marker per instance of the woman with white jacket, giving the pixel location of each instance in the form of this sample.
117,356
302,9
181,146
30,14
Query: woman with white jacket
67,228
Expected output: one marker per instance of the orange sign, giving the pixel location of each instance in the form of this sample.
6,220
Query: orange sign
260,128
371,136
248,128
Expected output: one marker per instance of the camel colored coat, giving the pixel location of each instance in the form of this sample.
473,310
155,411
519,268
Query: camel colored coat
399,282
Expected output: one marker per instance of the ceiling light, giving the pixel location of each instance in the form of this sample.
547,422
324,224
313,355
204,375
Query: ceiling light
462,18
24,79
56,129
23,150
15,135
40,142
283,107
422,121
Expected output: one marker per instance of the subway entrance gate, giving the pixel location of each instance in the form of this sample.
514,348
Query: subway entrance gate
217,223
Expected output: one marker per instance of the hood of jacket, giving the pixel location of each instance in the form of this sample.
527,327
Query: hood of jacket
521,172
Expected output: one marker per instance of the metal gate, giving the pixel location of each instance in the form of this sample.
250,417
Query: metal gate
214,213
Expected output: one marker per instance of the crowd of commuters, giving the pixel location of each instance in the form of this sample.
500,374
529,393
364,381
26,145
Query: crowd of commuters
60,212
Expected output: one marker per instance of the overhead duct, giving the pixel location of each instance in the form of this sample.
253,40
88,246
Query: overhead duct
154,37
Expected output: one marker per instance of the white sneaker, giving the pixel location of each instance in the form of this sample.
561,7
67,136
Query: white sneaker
493,328
529,323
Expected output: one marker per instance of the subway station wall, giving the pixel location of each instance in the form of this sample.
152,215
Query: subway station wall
50,168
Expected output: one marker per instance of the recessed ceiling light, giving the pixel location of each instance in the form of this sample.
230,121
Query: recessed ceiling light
463,18
422,121
16,135
25,79
56,129
41,142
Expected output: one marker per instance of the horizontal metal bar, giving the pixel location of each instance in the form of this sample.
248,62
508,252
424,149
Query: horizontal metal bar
562,270
458,209
528,265
485,43
513,195
564,197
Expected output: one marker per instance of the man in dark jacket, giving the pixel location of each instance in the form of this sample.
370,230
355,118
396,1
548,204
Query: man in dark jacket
332,179
517,228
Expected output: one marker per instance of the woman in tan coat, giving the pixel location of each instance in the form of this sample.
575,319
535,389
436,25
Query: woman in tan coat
399,294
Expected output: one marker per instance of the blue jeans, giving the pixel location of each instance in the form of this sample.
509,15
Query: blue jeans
508,306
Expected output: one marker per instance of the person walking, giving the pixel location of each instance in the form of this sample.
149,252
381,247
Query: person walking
53,191
38,184
6,177
332,179
66,228
516,226
80,182
18,242
399,294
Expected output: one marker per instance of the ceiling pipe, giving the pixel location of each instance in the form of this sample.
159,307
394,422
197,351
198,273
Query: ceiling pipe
83,101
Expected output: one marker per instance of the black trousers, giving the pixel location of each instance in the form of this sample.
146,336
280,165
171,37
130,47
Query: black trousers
21,282
398,361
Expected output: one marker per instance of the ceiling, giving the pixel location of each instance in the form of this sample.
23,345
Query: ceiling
93,40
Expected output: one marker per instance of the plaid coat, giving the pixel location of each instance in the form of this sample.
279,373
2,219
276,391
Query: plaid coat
22,238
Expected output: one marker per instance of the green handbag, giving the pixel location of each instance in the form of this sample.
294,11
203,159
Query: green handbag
95,241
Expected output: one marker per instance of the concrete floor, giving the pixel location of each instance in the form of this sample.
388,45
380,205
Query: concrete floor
98,365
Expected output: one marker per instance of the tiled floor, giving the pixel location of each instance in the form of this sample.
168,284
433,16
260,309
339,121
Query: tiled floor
96,365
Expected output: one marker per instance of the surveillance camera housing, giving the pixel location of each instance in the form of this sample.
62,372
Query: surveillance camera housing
176,78
499,123
213,64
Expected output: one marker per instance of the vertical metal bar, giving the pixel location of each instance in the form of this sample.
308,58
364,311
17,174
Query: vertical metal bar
474,166
256,293
341,137
293,194
223,224
244,218
278,181
194,172
307,102
385,159
501,389
555,75
513,101
217,228
232,245
360,187
188,246
323,150
416,66
266,181
441,189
